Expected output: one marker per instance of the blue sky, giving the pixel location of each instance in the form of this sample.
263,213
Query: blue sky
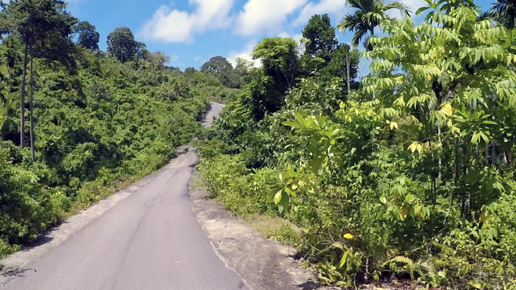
192,31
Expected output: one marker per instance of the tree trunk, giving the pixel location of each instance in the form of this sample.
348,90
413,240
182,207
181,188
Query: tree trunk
439,177
374,93
32,138
22,99
486,154
347,71
493,154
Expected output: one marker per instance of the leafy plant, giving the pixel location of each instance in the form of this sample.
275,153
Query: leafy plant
409,177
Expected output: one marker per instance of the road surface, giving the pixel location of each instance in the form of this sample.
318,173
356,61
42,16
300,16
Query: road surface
149,240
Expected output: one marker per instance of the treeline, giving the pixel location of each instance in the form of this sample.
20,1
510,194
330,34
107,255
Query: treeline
407,174
76,123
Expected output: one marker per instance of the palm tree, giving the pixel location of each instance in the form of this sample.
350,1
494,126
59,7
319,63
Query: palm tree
368,15
504,11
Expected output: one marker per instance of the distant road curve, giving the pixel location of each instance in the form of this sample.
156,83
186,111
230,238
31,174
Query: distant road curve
215,110
150,239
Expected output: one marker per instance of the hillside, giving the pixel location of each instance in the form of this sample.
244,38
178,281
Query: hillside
100,121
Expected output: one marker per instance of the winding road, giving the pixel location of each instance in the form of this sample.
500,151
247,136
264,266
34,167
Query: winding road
149,239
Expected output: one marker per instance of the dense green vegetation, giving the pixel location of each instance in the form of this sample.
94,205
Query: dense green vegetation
96,120
408,174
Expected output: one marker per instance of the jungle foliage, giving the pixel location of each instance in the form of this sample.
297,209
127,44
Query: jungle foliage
409,176
98,120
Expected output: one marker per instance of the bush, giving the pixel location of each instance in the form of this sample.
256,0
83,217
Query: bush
370,209
106,125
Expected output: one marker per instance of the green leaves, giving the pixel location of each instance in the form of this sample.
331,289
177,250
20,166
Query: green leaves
322,137
477,136
121,44
427,71
283,204
109,123
281,199
421,10
88,36
278,196
293,184
416,147
417,163
278,54
367,16
403,212
477,124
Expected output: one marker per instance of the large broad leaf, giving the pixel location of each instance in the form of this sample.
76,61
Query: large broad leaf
421,10
284,204
277,197
416,146
479,135
447,109
294,125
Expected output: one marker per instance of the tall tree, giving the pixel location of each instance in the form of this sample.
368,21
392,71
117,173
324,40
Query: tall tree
44,27
3,73
320,37
459,100
159,58
121,44
216,65
223,70
343,64
142,51
278,74
243,64
88,36
243,69
504,11
279,58
190,71
367,16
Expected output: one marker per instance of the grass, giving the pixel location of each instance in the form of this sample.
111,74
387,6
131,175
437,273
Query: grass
274,228
269,226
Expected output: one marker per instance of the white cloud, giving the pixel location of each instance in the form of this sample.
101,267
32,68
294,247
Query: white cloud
246,54
297,36
335,8
267,16
172,25
414,5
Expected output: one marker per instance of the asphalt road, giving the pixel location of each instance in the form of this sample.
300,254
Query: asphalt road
149,240
216,108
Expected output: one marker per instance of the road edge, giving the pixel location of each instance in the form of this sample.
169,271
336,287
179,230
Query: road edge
262,263
19,262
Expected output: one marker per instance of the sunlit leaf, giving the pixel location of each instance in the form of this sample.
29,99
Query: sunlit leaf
403,212
277,197
343,259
